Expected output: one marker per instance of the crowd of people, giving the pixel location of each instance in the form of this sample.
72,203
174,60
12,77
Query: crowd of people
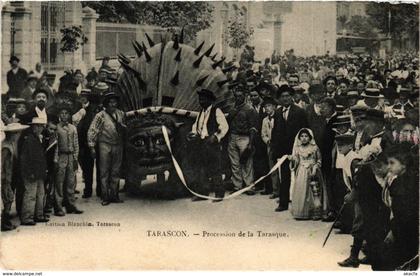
348,126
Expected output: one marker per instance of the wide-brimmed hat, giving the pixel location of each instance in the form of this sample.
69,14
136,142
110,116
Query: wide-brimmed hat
14,58
14,127
16,101
352,94
359,110
31,76
85,92
344,139
372,93
38,121
342,120
207,93
101,86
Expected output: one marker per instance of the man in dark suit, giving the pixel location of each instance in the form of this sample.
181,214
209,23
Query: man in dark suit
260,155
82,120
326,146
40,97
288,120
16,78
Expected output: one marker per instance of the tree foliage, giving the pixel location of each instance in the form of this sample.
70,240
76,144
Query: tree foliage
404,18
361,26
193,16
73,37
238,33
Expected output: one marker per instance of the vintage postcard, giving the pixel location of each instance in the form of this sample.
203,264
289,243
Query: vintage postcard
210,135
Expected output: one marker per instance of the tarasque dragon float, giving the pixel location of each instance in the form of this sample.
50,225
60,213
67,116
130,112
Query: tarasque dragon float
158,88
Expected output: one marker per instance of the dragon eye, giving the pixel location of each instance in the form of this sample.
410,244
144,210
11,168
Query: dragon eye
159,141
139,142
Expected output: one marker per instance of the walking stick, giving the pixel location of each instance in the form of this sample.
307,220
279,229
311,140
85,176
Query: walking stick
332,226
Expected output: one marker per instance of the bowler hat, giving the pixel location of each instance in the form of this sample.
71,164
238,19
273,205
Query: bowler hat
286,88
329,78
207,93
269,100
14,58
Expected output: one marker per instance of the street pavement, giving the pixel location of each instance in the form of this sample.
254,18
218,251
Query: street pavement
144,232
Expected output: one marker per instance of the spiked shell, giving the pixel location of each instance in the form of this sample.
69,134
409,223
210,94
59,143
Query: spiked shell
169,75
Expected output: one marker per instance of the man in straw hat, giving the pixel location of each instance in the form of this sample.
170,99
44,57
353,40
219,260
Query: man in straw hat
371,96
66,160
106,130
33,168
16,78
9,157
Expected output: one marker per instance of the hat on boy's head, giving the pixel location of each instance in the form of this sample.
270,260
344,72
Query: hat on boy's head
207,93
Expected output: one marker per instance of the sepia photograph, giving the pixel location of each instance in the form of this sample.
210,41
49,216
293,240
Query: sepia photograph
209,136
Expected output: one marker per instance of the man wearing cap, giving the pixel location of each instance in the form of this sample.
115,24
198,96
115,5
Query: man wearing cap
207,131
288,120
270,106
20,109
371,96
107,130
30,87
33,168
82,120
9,170
243,120
16,78
91,78
66,159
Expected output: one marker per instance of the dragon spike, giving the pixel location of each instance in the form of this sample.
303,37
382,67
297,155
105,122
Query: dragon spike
214,57
123,58
198,49
227,69
221,83
218,63
208,52
175,79
146,54
202,80
178,55
151,43
137,48
176,43
196,63
181,36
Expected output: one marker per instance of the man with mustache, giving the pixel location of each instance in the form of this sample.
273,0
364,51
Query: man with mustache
40,97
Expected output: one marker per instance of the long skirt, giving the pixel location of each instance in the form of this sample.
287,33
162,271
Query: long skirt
304,200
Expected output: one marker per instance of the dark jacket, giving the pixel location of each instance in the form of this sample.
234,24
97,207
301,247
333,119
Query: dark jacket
84,124
16,82
404,192
284,132
33,163
316,123
327,144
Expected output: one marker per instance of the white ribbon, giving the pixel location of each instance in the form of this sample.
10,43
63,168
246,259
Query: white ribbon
235,194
